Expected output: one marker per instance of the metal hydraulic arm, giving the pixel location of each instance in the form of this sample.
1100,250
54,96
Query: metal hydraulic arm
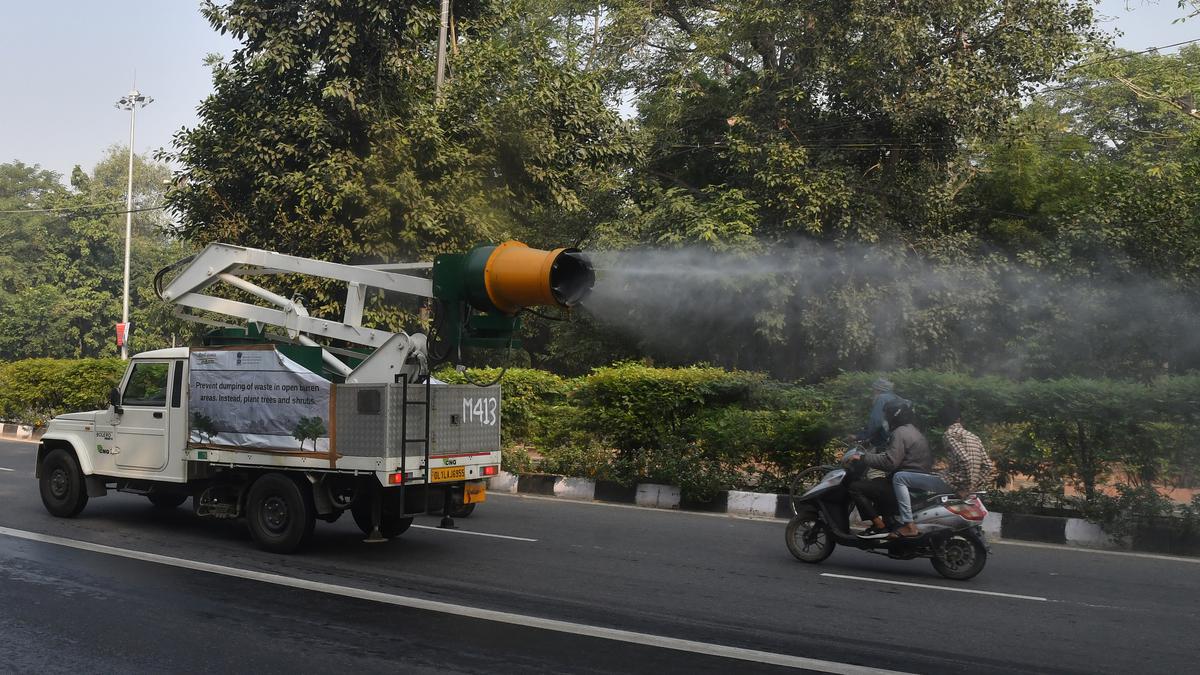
236,265
479,292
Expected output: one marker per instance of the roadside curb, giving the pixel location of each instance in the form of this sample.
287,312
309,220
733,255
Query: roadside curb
21,432
1060,530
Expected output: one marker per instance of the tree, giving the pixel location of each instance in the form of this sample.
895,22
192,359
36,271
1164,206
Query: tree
324,137
309,428
836,119
769,127
62,263
1094,186
203,426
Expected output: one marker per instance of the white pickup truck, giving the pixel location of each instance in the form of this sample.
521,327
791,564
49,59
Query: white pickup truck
321,416
389,447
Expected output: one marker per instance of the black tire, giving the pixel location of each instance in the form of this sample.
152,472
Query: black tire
392,521
63,491
960,557
809,538
167,500
279,513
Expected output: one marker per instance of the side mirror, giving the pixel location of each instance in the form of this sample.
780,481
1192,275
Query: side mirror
114,399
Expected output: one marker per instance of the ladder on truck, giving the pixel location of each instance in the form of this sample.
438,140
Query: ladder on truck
426,472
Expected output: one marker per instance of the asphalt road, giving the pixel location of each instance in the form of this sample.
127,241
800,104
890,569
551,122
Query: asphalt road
686,591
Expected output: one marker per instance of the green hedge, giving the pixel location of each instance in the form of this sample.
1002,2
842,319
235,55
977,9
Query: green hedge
34,390
707,429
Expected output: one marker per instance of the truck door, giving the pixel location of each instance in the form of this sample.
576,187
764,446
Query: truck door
141,431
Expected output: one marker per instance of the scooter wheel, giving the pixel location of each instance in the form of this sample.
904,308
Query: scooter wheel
960,557
808,537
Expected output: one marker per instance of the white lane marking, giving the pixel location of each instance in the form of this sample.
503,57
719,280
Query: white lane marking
6,439
936,588
477,534
1076,549
585,630
4,469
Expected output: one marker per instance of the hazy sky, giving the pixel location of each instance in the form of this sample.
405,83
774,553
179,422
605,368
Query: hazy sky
64,63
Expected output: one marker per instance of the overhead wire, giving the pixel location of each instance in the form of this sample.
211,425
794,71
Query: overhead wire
61,208
84,208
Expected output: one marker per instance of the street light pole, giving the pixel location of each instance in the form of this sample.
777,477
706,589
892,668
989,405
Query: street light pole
131,102
441,50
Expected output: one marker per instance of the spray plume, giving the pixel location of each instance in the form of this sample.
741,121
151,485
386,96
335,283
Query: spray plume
805,310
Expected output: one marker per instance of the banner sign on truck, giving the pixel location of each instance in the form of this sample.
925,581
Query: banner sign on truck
256,398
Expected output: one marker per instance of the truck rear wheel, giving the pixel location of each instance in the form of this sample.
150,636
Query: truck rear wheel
63,492
393,522
279,514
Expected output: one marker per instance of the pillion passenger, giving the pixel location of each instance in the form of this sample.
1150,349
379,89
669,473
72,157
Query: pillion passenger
969,469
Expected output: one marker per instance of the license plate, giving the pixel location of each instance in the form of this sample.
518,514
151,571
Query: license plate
474,493
445,473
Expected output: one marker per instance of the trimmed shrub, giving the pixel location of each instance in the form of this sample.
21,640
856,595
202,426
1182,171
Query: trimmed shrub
759,449
636,408
34,390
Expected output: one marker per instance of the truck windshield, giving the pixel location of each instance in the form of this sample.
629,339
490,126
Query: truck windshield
147,385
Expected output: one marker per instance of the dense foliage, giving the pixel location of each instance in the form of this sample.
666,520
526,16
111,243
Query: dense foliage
34,390
61,260
324,136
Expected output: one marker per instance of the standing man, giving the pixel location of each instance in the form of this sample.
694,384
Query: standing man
969,470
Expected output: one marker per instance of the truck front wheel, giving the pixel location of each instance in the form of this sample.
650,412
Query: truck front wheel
279,514
61,484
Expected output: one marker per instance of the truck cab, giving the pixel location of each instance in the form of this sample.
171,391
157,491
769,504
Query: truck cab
142,432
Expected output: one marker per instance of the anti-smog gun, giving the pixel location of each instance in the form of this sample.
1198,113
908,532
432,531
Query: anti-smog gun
283,418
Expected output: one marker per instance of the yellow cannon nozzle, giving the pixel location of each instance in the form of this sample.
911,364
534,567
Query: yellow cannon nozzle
517,276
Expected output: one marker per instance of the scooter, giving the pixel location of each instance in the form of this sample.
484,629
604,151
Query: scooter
950,528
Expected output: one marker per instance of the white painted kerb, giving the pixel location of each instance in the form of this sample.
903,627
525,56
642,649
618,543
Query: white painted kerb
1082,533
657,496
575,488
751,504
503,482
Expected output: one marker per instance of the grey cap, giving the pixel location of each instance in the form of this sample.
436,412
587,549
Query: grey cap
882,384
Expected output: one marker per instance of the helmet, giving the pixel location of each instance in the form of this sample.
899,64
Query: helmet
897,413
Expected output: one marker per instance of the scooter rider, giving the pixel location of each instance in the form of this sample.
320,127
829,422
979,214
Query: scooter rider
870,490
906,451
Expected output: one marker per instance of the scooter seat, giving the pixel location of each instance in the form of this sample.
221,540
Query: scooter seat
922,498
